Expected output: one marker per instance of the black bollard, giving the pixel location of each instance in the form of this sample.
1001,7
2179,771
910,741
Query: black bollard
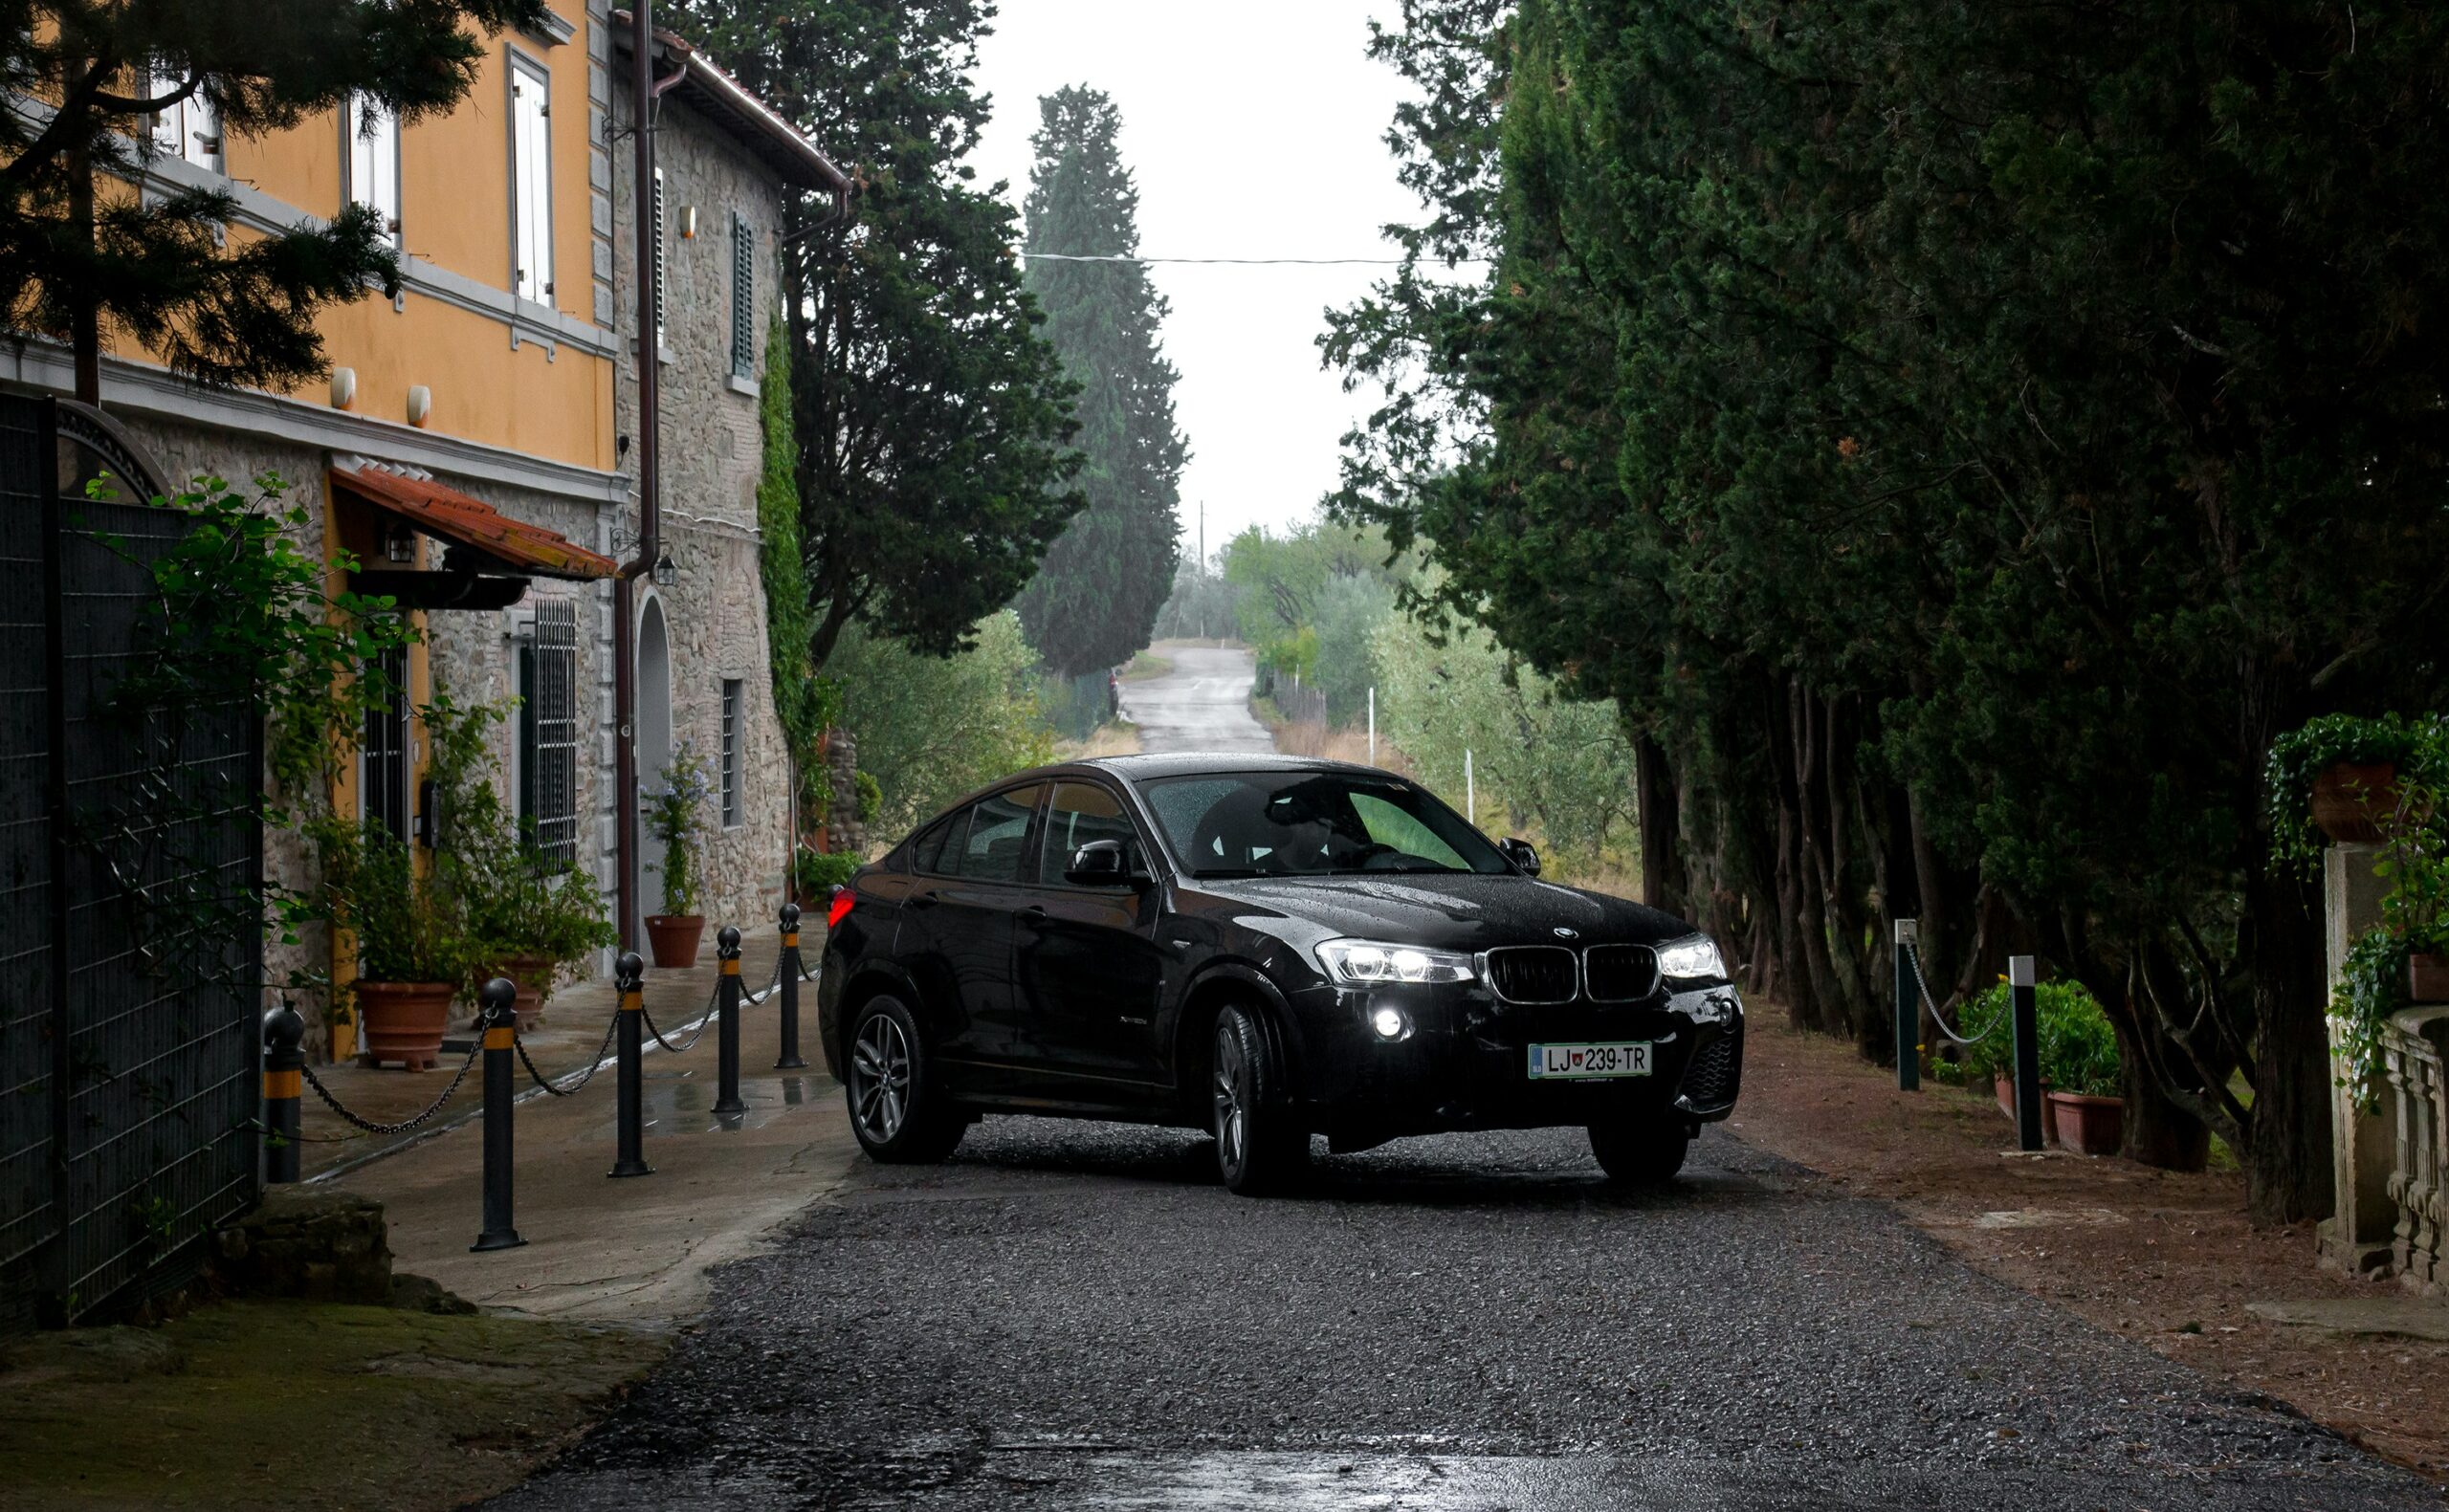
1909,1009
500,1021
630,1118
727,1103
2027,1016
284,1064
789,975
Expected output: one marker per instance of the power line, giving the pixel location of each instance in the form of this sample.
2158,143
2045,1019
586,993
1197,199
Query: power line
1239,262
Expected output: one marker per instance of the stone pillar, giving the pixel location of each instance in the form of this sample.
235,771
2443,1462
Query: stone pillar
843,829
2357,1236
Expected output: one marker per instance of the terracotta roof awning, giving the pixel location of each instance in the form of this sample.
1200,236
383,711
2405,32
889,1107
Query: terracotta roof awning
511,545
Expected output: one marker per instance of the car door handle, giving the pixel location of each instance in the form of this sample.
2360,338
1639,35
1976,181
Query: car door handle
1035,910
924,899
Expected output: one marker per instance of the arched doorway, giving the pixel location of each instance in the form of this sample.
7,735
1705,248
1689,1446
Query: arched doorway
654,744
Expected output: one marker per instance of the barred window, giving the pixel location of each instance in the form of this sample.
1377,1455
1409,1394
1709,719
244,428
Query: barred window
731,753
743,298
548,735
383,755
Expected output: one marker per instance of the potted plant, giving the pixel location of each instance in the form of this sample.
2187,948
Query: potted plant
1994,1054
412,947
2343,777
527,919
676,815
2079,1056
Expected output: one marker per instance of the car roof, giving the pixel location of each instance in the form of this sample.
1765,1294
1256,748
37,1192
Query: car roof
1191,764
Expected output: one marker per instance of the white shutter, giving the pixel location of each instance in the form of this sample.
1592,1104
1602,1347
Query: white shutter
532,195
662,265
374,161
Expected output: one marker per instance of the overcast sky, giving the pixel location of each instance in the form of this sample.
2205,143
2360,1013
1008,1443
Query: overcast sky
1254,129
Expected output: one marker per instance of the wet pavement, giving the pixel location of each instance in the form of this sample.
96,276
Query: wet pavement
1076,1316
1203,704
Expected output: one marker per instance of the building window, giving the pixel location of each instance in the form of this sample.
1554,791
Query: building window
373,159
190,130
731,753
383,756
531,191
662,264
548,735
743,299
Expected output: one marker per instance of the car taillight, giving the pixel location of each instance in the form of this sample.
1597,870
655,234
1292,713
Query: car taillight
839,908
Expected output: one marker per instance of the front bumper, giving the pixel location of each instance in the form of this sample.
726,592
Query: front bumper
1464,1062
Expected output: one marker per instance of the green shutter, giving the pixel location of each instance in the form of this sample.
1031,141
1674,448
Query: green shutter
743,299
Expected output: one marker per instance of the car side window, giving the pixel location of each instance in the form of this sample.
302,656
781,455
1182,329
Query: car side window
993,850
927,851
1081,812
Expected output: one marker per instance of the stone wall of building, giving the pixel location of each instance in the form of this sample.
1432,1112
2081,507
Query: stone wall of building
712,457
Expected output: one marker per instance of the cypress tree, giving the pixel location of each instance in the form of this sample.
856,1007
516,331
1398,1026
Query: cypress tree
1096,598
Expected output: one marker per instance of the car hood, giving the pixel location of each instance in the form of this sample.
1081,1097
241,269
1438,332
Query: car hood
1451,912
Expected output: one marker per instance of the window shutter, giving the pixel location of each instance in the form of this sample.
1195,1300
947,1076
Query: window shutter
662,278
743,298
551,775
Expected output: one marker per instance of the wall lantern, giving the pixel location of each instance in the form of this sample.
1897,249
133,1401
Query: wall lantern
399,544
688,223
666,571
420,404
343,387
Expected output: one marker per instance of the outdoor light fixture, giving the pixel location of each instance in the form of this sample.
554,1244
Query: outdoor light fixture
399,545
343,387
420,404
666,571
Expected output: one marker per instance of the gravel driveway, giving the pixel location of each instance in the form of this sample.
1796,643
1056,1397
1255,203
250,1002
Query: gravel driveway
1075,1316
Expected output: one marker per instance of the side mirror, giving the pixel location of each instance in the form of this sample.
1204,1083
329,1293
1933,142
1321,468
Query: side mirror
1525,859
1099,863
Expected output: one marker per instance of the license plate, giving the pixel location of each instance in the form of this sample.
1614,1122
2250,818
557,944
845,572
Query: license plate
1571,1063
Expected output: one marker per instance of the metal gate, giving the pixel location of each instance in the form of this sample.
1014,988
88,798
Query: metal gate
130,918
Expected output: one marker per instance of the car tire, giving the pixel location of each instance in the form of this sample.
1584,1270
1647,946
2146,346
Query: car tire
1260,1148
1639,1152
899,1114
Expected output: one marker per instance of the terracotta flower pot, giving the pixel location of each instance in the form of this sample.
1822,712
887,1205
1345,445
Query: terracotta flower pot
2090,1126
530,974
2005,1086
402,1021
2427,978
674,937
2350,796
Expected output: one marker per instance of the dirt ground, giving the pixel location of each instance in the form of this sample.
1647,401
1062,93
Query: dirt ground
2162,1257
257,1404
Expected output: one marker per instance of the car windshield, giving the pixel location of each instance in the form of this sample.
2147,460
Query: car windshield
1313,823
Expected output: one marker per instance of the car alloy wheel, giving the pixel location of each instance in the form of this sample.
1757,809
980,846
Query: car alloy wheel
1232,1096
1260,1146
899,1111
880,1078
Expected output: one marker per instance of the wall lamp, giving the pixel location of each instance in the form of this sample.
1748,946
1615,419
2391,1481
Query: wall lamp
666,571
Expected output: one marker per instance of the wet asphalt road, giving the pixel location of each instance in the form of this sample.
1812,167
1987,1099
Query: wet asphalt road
1202,704
1076,1316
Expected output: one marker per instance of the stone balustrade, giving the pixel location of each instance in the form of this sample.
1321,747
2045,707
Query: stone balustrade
2411,1054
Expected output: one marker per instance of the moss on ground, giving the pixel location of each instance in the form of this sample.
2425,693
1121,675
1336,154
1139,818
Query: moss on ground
278,1404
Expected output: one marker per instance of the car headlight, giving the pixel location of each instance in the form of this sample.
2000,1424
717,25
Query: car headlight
1695,959
1367,963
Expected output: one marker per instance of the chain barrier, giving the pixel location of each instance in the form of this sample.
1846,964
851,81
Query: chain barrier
691,1042
405,1125
1913,959
773,985
592,1066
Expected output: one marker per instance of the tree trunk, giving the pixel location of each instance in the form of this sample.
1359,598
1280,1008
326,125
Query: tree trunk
2287,1166
1655,814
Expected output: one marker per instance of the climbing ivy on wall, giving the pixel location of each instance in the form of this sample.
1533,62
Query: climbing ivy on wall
807,704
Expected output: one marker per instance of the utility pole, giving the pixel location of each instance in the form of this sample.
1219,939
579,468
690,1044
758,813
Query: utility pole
1202,569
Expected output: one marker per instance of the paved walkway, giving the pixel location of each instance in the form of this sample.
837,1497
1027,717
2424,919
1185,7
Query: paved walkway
1203,704
632,1251
569,1040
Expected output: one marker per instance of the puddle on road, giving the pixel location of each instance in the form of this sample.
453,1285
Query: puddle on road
683,1102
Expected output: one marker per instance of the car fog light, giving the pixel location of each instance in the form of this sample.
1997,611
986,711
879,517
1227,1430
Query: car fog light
1388,1022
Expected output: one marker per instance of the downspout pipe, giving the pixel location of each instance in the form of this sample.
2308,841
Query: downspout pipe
625,656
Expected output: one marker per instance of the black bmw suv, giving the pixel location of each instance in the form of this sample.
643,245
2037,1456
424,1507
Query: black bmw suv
1267,948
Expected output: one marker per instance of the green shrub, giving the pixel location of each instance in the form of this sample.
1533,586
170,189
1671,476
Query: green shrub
870,796
2078,1047
815,871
